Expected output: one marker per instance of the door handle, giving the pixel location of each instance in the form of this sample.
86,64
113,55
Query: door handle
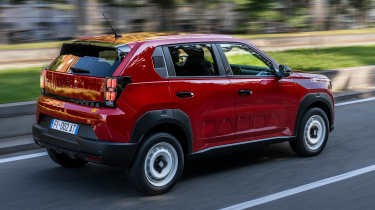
245,92
185,94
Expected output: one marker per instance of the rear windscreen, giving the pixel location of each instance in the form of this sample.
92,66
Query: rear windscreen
90,60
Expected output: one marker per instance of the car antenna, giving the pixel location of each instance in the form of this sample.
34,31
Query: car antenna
109,23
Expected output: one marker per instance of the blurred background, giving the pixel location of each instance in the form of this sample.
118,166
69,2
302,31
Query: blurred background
45,20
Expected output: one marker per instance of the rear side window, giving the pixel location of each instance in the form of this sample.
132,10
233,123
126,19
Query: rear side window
193,60
159,62
88,59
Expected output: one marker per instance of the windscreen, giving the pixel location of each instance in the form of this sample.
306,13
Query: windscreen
89,59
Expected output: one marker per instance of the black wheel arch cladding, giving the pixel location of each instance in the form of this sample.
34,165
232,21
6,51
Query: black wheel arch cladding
321,100
154,118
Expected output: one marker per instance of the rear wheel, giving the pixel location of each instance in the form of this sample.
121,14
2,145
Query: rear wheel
66,161
313,133
158,165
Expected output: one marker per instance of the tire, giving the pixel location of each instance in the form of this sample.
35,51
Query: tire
312,134
158,165
66,161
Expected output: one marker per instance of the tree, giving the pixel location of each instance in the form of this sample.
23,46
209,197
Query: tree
256,13
362,7
165,8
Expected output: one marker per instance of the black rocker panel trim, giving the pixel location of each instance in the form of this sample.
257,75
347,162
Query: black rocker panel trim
310,99
155,118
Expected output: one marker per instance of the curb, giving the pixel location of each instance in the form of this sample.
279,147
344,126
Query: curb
18,148
351,95
17,144
17,109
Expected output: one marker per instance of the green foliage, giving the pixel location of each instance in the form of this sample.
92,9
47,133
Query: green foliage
44,1
18,1
299,19
258,12
256,8
165,3
361,4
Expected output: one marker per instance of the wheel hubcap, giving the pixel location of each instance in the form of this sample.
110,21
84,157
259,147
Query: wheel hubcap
315,132
161,164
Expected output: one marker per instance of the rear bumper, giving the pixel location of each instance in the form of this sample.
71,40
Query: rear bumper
113,154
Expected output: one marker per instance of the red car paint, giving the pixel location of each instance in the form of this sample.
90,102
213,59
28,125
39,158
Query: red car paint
218,115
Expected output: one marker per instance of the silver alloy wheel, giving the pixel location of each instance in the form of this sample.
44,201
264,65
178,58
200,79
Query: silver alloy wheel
161,164
315,132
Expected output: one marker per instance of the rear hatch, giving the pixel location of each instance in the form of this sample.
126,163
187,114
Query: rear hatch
83,72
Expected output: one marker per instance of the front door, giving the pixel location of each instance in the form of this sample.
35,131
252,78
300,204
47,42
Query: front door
260,104
200,89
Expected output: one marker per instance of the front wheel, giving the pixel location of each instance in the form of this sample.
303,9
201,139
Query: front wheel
158,165
312,134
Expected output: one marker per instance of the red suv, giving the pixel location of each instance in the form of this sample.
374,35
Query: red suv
147,101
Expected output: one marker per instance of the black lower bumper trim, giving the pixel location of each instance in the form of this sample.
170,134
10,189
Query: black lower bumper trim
112,154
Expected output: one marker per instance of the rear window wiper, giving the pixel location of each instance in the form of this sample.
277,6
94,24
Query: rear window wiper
78,70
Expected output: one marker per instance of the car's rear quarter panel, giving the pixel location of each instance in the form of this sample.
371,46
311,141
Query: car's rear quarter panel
148,91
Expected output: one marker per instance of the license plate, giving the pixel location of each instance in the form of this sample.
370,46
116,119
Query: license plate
63,126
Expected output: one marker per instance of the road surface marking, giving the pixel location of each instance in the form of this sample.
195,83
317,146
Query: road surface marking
300,189
355,101
23,157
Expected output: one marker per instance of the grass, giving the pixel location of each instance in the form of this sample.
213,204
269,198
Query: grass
19,85
23,84
326,58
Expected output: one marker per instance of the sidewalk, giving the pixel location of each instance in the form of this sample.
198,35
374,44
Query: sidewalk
20,64
321,41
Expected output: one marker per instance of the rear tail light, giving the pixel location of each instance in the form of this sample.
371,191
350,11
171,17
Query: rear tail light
110,96
43,80
114,87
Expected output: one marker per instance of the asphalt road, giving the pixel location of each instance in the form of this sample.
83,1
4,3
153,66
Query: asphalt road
212,182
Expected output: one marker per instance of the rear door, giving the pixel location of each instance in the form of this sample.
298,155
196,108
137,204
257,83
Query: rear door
200,88
261,105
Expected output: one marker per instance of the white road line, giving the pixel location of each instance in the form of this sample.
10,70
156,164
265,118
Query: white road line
23,157
299,189
355,101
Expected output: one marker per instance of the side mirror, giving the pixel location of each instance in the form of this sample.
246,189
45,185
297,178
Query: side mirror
284,70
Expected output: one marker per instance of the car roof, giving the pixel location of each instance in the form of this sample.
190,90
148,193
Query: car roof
149,36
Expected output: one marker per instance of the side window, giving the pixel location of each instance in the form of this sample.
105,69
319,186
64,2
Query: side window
193,60
159,62
244,61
